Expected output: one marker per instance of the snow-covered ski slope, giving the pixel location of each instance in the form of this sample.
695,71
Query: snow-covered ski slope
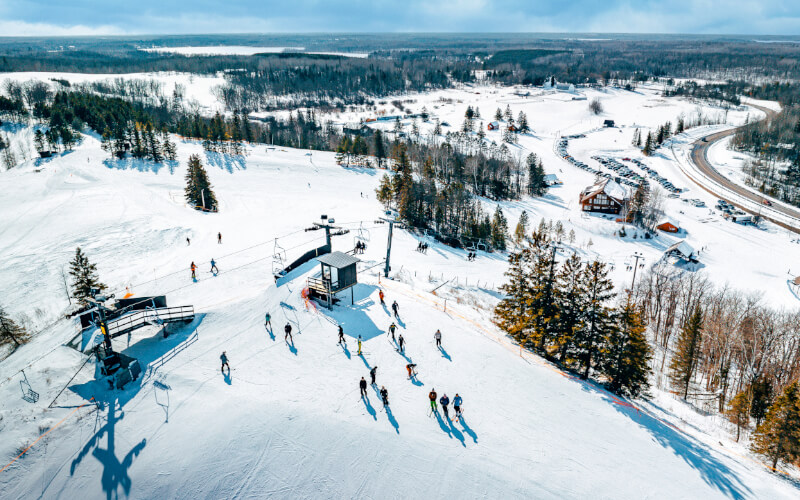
288,422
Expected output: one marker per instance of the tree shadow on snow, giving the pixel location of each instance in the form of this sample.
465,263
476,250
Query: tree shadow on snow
696,454
139,164
225,161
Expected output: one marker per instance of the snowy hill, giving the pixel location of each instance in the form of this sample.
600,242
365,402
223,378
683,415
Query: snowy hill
288,421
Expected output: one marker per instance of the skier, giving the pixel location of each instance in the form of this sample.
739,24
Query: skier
341,335
359,345
363,386
372,374
411,373
268,321
194,268
395,308
392,328
402,342
380,296
432,397
457,406
224,358
438,337
219,238
385,396
444,401
288,332
214,266
188,241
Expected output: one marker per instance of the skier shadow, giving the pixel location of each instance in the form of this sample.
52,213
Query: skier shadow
365,361
446,428
115,471
696,454
370,409
457,433
269,330
227,377
468,429
444,354
416,381
400,322
345,349
392,420
292,348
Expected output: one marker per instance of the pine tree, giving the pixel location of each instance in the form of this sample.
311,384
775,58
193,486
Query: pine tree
507,113
498,115
687,351
522,120
598,318
778,437
380,147
626,357
384,192
499,229
521,231
544,298
738,412
536,185
511,313
571,305
648,145
84,277
10,331
637,137
760,399
681,126
198,190
38,140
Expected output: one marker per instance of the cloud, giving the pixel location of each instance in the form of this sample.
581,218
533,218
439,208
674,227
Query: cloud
23,28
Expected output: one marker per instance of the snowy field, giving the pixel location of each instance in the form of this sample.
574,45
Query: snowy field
288,421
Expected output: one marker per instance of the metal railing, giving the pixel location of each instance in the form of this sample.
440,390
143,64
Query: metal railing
144,317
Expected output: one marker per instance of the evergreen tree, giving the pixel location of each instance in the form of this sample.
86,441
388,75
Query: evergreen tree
737,412
522,122
778,437
544,300
498,115
637,137
571,305
379,147
38,140
536,185
499,229
84,277
687,351
760,399
511,313
198,190
598,318
470,113
521,231
507,113
681,126
649,147
10,331
384,192
626,357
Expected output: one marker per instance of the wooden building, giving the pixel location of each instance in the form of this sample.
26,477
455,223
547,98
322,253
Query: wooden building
668,226
604,196
338,273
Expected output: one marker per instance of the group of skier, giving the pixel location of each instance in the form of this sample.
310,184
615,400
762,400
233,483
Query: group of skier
360,247
422,247
445,401
193,267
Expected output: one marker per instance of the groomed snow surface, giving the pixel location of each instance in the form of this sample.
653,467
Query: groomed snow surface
288,421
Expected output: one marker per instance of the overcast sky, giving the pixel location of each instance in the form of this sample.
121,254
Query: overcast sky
88,17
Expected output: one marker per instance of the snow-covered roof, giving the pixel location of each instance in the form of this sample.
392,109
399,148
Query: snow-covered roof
550,177
667,220
682,248
611,189
494,124
338,259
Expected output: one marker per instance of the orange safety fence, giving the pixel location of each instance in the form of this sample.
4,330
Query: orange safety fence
46,433
307,299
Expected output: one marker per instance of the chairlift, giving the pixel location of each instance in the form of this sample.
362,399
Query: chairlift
28,394
278,258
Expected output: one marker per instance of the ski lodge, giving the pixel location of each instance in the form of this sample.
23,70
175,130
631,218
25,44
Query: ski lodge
552,180
682,251
493,126
604,196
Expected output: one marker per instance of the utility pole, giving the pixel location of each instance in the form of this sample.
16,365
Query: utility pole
637,256
391,221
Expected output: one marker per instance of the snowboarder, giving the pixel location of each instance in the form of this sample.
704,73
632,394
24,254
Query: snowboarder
214,266
219,238
457,406
444,401
395,308
363,386
432,397
372,373
224,358
402,342
359,345
385,396
380,296
411,373
194,269
392,328
341,335
288,332
268,321
438,337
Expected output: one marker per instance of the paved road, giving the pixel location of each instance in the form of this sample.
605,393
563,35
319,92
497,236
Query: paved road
699,157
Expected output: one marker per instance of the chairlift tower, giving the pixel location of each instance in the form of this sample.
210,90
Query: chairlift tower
391,219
